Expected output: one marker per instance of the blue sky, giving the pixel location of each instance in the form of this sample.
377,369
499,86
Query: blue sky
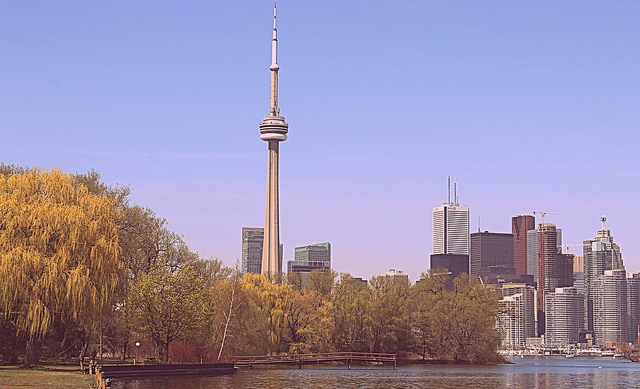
531,105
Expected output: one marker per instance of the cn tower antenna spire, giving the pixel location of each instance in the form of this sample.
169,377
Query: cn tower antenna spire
274,110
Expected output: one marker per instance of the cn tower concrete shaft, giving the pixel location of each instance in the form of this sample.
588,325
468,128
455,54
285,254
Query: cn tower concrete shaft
271,248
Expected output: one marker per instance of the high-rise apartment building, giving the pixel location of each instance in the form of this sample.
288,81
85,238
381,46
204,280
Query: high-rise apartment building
564,316
491,249
633,306
510,321
599,255
609,296
520,226
520,313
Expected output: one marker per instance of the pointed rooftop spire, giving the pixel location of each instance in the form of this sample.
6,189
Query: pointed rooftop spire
274,110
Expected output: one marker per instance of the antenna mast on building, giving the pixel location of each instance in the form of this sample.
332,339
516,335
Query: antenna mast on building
455,190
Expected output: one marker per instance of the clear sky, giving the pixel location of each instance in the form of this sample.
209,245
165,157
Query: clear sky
532,105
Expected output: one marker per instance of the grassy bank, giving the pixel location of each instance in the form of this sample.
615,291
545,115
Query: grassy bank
45,377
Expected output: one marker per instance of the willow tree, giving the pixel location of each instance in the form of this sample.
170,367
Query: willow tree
59,253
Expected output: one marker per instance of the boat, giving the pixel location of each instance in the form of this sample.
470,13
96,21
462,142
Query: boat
590,352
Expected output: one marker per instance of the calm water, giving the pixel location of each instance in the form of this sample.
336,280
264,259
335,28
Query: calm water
528,372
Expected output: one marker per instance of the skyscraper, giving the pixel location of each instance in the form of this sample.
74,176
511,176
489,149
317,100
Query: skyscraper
273,130
564,316
252,246
510,321
520,225
451,227
555,270
532,254
491,250
599,255
252,242
609,295
523,322
533,257
633,306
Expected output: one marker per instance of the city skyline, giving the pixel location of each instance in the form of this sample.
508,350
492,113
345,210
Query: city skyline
532,106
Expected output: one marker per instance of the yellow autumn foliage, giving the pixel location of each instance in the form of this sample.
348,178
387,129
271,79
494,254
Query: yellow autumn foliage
59,253
298,321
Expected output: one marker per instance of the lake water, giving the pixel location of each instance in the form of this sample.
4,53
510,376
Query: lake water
528,372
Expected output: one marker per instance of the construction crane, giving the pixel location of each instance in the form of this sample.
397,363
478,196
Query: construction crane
566,246
545,213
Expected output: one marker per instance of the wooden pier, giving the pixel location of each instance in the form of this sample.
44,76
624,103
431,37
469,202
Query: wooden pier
106,373
307,359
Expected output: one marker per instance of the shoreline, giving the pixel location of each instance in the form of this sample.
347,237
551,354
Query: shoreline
44,376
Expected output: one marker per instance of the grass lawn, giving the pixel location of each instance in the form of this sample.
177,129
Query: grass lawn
45,377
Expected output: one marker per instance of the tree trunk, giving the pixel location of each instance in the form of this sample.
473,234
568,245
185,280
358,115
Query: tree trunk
32,353
83,350
228,315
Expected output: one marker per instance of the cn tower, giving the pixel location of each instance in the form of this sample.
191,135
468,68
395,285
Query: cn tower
273,130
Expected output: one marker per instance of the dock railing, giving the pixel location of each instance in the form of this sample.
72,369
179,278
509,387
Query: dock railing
305,359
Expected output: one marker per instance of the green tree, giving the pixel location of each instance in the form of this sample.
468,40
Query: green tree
59,253
321,281
165,306
388,319
456,325
428,296
351,300
472,315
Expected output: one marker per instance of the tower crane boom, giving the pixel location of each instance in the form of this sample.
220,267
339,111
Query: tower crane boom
545,213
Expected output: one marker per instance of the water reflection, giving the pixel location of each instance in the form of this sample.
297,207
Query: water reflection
538,373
